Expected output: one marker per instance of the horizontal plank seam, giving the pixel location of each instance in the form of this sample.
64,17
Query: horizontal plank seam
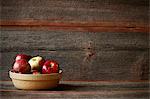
100,81
80,92
46,50
71,24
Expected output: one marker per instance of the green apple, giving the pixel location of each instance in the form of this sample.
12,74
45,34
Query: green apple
36,63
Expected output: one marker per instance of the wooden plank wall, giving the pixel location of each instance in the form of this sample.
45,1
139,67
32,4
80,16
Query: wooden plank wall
91,39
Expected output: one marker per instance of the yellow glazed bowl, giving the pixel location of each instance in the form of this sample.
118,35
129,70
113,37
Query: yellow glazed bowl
35,81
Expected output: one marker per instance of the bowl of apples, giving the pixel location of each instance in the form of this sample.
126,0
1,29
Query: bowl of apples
35,73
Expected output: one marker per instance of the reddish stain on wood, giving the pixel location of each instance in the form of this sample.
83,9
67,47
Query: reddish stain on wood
75,26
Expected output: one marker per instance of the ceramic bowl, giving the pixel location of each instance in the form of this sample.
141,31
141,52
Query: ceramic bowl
35,81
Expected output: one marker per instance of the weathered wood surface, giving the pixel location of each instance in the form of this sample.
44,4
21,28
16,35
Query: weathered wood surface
76,15
80,90
76,10
83,55
92,39
59,40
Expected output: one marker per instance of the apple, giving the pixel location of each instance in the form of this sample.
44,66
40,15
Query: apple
35,72
36,63
23,56
50,66
22,66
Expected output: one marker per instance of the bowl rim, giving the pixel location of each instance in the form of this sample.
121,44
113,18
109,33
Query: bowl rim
51,76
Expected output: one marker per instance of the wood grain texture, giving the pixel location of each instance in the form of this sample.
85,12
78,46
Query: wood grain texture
72,15
76,10
80,90
59,40
92,39
83,55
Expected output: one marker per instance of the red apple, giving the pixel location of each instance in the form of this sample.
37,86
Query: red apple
23,56
50,66
22,66
35,72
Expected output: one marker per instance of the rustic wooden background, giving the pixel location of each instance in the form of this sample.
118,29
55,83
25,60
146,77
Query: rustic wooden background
91,39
